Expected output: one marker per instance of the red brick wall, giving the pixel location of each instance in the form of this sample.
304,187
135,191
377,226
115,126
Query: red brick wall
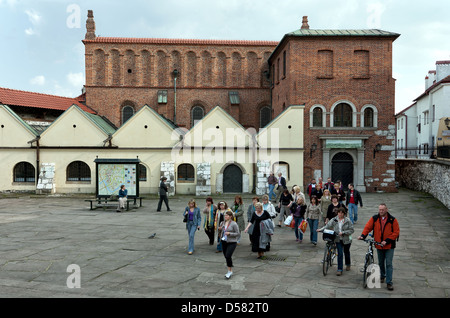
308,82
119,73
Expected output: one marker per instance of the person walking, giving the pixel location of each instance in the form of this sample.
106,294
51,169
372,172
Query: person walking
222,207
386,230
343,228
272,181
163,195
259,216
123,196
194,220
296,192
352,200
324,204
209,225
281,185
298,210
268,206
332,208
286,200
339,192
250,211
313,214
229,233
238,210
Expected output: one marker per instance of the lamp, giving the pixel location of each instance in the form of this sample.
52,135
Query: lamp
447,123
377,148
313,148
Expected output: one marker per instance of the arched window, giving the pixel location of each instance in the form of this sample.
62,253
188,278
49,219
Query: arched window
78,171
368,117
317,117
185,172
127,112
343,115
197,114
265,116
142,173
24,172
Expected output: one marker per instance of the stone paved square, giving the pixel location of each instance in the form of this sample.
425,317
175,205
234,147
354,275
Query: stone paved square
40,236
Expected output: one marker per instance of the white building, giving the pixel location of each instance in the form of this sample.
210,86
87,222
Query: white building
417,125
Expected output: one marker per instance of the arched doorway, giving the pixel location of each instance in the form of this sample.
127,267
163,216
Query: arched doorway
232,179
342,168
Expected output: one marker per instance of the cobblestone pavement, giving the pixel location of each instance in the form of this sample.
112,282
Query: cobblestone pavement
40,236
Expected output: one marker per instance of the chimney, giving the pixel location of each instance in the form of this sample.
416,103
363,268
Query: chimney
305,24
90,26
430,79
442,70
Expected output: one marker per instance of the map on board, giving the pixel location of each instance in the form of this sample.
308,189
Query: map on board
112,175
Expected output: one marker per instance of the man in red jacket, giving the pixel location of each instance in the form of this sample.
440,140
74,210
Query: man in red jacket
385,230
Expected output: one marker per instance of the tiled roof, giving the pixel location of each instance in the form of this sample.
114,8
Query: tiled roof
181,41
363,32
14,97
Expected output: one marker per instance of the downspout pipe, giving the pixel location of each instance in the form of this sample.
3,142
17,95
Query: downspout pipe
36,140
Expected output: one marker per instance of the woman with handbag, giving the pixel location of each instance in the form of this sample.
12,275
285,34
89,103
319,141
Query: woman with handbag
257,217
343,226
298,210
229,233
193,221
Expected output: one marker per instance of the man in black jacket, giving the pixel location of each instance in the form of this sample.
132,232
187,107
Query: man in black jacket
352,199
163,195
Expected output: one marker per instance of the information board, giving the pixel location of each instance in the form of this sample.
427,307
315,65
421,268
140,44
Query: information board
112,173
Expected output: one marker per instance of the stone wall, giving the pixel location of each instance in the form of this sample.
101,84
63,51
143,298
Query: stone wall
431,176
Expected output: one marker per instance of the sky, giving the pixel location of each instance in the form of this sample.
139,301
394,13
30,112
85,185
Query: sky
41,49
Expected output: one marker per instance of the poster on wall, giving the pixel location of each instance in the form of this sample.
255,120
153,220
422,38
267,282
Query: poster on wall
112,173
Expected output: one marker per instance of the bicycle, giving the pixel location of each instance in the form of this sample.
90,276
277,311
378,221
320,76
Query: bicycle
330,250
368,260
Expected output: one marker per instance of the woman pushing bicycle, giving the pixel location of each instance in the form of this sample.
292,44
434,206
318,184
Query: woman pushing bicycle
343,227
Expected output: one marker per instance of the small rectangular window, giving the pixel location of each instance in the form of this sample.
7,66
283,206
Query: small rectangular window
162,97
234,98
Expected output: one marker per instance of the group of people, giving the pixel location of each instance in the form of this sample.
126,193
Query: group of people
328,208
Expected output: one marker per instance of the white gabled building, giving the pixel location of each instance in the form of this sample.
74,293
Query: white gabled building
417,125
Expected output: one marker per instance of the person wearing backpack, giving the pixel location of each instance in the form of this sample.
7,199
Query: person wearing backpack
386,230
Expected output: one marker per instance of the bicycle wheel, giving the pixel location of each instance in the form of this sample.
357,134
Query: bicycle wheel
326,259
368,261
332,254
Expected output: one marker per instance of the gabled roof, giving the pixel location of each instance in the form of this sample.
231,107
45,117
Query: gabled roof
20,120
14,97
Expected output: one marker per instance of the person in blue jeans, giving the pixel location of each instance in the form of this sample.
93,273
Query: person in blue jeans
313,213
352,199
194,220
272,181
343,227
298,210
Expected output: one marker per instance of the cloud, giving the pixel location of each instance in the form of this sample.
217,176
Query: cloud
35,19
76,79
38,80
